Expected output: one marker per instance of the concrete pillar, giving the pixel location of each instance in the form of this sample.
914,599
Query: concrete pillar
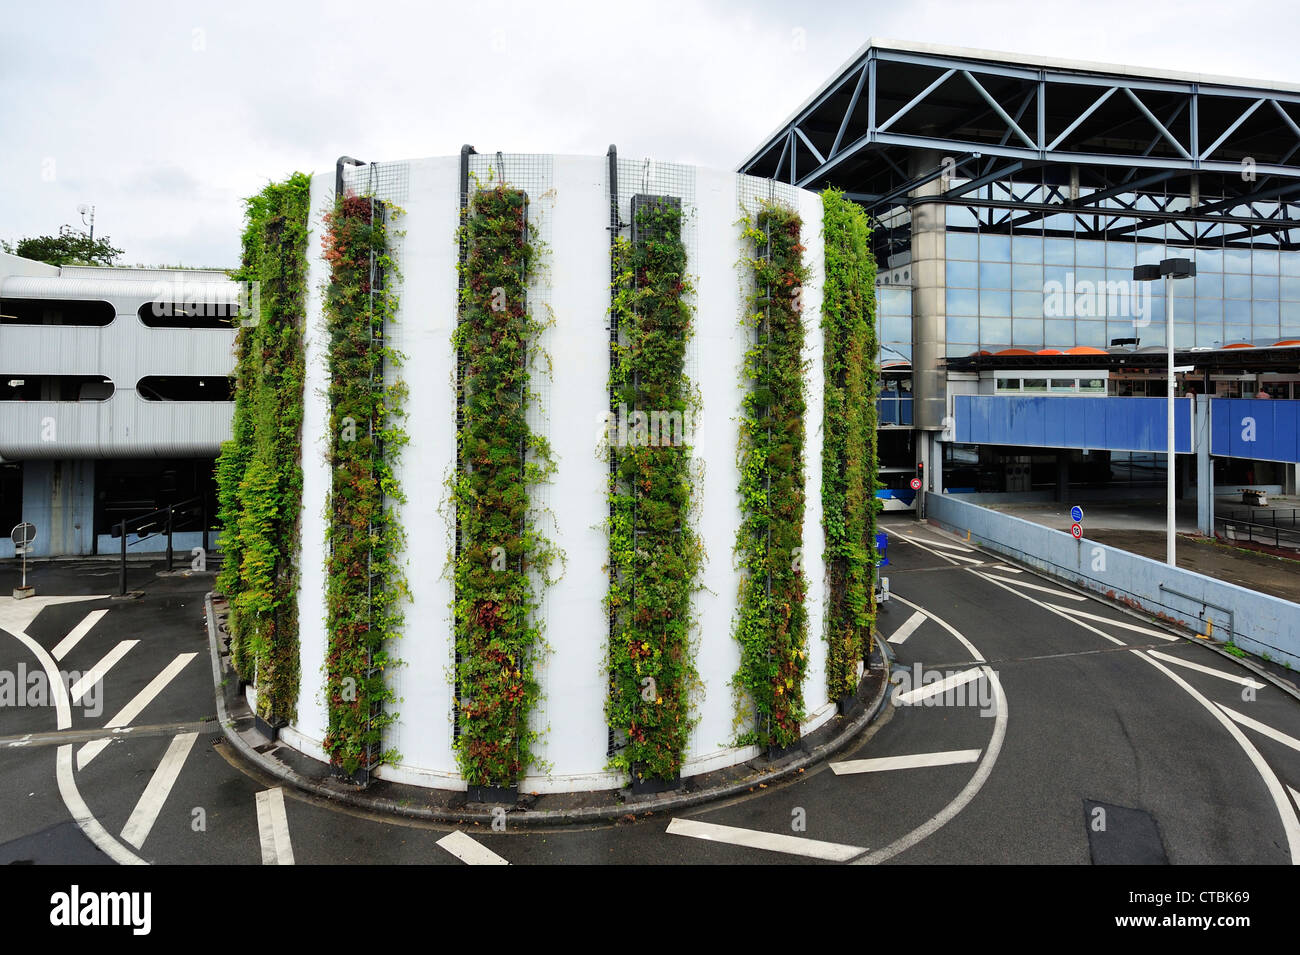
929,315
1204,469
1062,475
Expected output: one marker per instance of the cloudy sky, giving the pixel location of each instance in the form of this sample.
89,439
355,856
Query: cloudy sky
165,115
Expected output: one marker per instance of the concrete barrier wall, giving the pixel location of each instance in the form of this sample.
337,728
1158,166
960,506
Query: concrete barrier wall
1259,623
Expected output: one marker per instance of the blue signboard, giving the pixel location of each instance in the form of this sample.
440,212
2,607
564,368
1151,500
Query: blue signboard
1051,421
1076,513
1262,429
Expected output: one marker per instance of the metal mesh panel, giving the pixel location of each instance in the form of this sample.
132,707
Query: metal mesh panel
386,181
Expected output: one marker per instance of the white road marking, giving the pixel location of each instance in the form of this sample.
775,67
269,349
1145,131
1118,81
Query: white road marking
1049,607
1047,590
946,544
17,615
950,558
1290,824
468,851
908,628
67,783
982,771
1263,729
273,828
145,814
129,712
1124,625
80,630
1295,796
773,842
928,690
1179,661
84,817
917,761
1005,568
99,670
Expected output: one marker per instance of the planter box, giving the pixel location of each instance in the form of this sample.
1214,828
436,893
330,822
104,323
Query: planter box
269,729
647,785
495,794
780,752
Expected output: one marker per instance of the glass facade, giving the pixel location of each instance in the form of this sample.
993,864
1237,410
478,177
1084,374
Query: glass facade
1055,284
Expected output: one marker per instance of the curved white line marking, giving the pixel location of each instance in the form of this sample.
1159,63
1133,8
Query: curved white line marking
1290,824
982,772
67,783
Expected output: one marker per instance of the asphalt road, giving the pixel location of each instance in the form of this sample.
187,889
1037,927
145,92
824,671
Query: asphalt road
1033,725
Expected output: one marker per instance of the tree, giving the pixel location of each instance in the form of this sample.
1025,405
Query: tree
68,248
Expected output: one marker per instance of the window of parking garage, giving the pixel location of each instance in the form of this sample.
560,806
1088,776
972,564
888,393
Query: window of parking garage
18,387
21,311
184,388
198,314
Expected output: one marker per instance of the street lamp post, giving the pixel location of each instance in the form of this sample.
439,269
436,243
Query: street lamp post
1170,269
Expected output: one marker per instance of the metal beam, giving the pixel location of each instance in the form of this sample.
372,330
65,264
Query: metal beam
808,142
915,100
1157,124
997,108
1082,116
848,113
1233,128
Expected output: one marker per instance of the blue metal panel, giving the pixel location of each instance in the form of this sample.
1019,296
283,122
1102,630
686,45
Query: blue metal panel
1219,417
1051,421
1262,429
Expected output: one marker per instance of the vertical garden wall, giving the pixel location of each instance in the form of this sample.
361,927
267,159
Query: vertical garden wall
499,549
365,579
849,429
259,472
654,553
773,626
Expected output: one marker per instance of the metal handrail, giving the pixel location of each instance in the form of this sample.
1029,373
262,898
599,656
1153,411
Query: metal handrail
124,527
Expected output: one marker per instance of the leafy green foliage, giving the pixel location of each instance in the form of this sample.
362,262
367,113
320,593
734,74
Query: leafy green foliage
773,626
259,472
654,554
849,444
69,247
365,578
497,633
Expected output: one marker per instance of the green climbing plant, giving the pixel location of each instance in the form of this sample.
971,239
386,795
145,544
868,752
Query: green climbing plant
365,578
654,554
498,633
259,471
849,438
772,623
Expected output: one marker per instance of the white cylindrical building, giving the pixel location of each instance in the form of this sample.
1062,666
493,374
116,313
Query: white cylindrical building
569,204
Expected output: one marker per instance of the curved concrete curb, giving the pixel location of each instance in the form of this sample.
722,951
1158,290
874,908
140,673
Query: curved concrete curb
669,802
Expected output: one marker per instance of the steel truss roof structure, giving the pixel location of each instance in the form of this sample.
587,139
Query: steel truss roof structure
1056,146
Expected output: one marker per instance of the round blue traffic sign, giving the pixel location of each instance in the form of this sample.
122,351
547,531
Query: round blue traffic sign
1076,513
